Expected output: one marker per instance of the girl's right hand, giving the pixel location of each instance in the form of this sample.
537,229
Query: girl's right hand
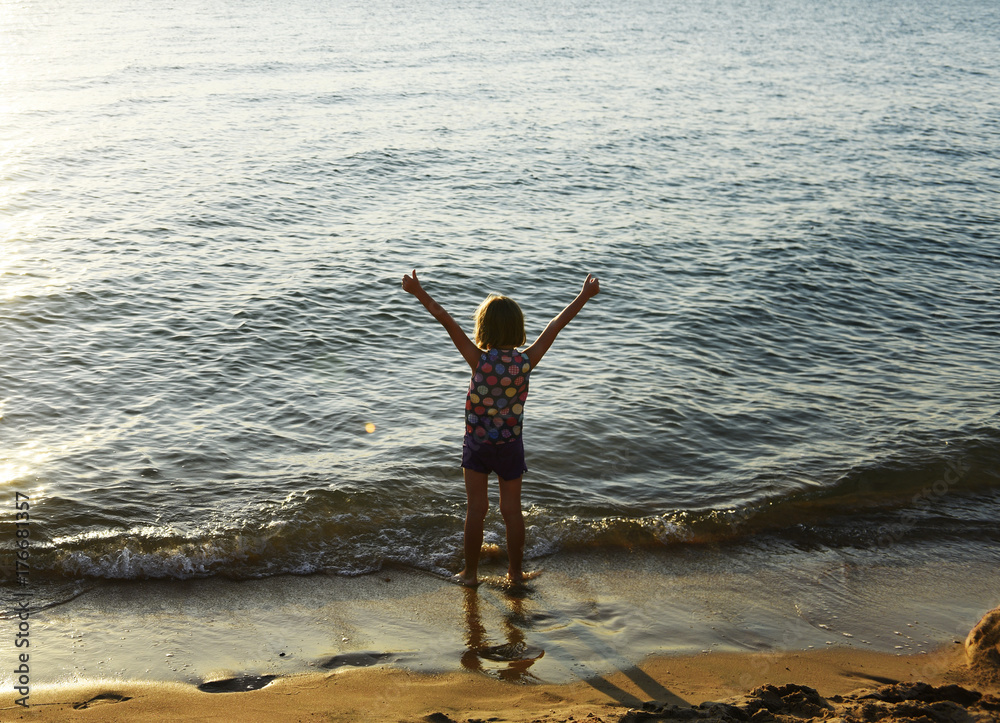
591,287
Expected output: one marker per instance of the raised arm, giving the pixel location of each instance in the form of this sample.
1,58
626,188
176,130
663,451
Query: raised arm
537,350
470,352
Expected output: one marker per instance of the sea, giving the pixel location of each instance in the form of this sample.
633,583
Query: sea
209,369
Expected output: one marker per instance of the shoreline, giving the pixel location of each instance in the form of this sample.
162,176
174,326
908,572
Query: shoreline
605,633
589,614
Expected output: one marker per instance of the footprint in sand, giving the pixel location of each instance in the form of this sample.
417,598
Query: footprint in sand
510,652
236,685
101,699
360,660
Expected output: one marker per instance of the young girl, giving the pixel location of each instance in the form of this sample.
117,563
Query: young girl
494,408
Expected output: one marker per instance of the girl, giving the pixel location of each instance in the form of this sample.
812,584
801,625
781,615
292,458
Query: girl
494,408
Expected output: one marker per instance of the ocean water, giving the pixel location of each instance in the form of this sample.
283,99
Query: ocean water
208,367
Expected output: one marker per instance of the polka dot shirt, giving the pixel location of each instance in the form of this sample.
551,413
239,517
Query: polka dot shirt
494,406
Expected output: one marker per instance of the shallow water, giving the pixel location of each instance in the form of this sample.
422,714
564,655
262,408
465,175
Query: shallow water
208,209
584,617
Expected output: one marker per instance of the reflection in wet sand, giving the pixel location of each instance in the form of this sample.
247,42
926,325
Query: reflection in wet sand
516,652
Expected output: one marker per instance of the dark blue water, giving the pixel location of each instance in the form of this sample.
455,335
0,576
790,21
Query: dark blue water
207,366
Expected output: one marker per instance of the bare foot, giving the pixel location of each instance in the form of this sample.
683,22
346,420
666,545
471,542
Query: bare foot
522,577
463,579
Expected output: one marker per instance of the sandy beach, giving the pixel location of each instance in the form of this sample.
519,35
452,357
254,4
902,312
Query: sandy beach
656,690
621,637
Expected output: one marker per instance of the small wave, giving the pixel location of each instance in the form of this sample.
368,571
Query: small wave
900,500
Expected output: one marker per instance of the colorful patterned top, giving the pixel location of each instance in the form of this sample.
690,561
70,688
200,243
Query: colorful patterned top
494,406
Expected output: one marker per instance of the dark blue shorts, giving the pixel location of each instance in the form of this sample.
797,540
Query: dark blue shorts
506,460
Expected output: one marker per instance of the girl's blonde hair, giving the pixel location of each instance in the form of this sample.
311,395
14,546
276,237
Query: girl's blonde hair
499,323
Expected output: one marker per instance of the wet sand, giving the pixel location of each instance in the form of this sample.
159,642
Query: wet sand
591,636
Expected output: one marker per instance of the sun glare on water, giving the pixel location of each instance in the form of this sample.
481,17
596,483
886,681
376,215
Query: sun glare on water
17,465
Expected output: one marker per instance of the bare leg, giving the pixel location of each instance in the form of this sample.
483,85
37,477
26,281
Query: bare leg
513,519
477,504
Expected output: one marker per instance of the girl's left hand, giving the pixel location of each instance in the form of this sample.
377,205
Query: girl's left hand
411,284
591,287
